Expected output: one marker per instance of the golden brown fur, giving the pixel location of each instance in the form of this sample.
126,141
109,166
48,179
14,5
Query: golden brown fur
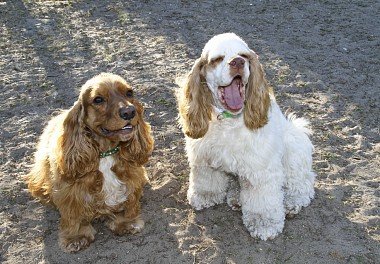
195,103
66,170
257,98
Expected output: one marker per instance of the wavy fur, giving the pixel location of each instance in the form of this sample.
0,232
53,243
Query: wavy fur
69,173
257,96
255,159
195,103
78,152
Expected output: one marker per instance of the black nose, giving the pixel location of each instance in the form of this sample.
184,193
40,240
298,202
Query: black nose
127,113
237,63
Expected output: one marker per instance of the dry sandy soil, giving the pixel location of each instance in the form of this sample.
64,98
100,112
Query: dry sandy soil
321,57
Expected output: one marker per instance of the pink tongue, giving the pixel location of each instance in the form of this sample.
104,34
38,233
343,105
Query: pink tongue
232,95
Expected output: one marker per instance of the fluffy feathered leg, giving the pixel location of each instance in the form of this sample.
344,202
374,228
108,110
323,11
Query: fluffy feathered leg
262,208
207,187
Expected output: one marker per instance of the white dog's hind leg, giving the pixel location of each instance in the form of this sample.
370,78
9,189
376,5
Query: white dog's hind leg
297,162
263,208
207,187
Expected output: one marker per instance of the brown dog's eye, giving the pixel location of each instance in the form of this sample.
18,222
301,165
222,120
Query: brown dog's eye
129,93
98,100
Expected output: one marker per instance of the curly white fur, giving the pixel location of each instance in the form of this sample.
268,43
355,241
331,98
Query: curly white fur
273,164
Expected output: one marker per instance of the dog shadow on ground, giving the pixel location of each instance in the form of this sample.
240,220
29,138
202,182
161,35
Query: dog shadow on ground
174,232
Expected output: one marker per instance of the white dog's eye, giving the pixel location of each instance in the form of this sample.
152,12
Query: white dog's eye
216,60
245,56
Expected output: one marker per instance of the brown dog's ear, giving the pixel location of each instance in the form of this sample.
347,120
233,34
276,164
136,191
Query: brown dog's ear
257,99
140,147
195,103
78,154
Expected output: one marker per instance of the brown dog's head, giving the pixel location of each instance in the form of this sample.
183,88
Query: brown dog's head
110,107
106,114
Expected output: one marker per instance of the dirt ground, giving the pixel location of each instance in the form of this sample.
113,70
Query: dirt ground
321,57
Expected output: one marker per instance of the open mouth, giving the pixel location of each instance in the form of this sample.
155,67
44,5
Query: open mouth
127,129
232,95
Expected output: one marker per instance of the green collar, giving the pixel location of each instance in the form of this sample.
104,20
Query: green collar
223,114
226,114
109,152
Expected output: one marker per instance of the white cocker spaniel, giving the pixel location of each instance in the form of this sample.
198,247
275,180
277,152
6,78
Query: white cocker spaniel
236,132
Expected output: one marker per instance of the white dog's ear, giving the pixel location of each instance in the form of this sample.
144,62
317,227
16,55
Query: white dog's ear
195,102
257,99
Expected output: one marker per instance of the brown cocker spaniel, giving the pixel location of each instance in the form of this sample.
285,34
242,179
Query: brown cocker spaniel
89,161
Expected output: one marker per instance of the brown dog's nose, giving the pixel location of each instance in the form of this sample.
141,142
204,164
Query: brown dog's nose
237,63
127,113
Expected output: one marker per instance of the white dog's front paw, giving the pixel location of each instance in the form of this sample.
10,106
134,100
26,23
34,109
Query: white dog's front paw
263,228
204,200
294,203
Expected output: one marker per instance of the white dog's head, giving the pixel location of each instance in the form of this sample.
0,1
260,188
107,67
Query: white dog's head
227,70
229,78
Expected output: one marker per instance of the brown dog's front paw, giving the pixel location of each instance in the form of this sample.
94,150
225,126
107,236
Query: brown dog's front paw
137,226
127,227
75,245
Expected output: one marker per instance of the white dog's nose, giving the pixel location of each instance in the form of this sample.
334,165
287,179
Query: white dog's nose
237,63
